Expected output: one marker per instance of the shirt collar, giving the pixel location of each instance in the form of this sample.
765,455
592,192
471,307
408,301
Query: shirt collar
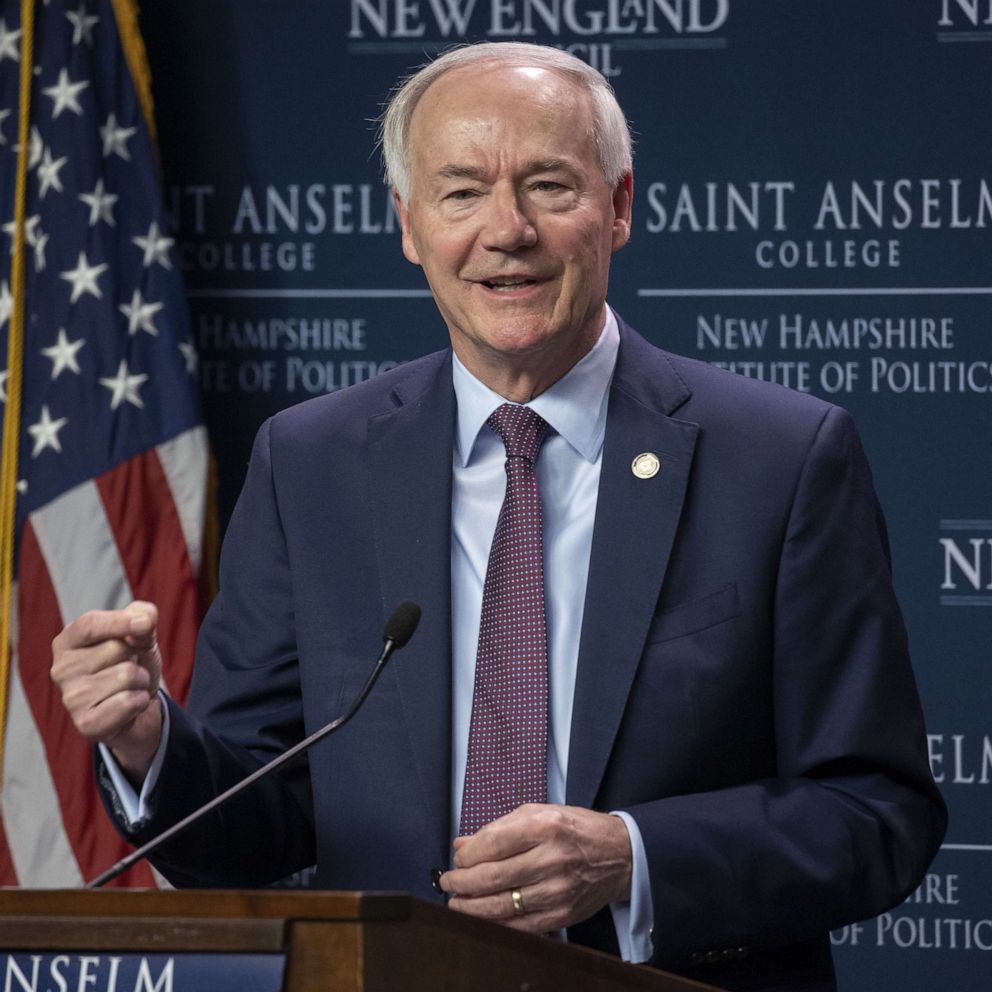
575,406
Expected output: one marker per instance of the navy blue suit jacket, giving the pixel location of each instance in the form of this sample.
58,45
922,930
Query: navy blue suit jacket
743,688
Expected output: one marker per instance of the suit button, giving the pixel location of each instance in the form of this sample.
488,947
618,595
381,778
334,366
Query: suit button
697,957
712,957
741,953
651,936
728,955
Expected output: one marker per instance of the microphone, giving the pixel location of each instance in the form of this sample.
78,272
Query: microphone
398,631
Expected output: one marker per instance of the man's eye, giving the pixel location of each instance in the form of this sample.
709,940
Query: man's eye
461,194
547,186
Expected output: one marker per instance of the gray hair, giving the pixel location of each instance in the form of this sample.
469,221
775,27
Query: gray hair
610,129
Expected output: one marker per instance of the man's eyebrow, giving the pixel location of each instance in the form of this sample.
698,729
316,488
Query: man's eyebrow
454,171
549,165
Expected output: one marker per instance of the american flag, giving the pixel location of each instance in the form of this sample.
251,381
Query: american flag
112,454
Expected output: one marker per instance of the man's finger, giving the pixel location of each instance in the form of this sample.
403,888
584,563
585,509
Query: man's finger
142,623
539,908
493,877
78,662
519,831
84,693
501,906
136,623
579,861
106,719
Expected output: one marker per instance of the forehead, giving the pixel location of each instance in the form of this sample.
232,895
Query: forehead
483,107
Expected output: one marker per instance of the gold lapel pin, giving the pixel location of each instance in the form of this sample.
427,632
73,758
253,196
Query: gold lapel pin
645,465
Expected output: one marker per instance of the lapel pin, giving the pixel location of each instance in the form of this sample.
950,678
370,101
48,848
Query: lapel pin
645,465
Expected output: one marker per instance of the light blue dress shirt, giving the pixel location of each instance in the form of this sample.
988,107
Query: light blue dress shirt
568,475
567,469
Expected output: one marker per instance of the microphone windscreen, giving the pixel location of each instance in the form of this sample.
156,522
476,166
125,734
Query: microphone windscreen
401,625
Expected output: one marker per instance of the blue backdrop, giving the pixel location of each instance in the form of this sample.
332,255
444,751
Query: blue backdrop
813,205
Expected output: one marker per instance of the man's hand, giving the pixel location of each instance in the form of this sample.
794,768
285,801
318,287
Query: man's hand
107,666
565,862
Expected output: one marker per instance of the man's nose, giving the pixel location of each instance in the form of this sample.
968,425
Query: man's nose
506,225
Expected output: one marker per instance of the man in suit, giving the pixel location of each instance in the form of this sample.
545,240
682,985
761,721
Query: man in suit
731,741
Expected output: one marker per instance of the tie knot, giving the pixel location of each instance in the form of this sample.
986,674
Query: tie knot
523,431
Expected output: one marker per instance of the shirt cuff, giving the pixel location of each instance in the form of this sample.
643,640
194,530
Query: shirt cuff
634,920
135,806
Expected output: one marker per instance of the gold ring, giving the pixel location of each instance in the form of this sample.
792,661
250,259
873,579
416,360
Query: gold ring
518,902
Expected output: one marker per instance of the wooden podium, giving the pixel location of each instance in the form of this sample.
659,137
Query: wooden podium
326,941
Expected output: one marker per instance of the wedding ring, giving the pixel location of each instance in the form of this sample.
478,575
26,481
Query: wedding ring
518,902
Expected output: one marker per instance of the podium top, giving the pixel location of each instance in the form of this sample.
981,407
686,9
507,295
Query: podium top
172,920
366,939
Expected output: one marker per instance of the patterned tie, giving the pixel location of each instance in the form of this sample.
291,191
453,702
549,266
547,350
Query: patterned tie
508,737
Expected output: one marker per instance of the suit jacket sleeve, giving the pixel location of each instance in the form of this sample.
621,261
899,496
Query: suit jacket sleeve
246,686
849,822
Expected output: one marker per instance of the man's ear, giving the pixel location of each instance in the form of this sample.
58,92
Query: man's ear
623,202
409,249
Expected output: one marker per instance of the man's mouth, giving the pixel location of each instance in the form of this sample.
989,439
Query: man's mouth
508,284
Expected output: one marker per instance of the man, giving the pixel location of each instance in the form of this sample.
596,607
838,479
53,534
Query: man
729,758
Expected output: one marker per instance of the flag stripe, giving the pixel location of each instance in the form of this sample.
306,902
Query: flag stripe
8,877
37,846
143,518
78,543
184,461
40,850
70,760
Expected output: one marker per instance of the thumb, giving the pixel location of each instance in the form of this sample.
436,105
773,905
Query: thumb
143,624
143,621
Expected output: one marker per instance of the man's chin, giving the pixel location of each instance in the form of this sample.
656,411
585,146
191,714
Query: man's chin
518,338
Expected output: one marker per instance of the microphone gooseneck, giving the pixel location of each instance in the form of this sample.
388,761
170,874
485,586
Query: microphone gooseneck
399,629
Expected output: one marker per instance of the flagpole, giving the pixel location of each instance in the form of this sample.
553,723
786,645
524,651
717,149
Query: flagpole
126,15
15,358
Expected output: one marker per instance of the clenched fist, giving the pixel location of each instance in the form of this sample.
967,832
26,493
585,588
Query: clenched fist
107,666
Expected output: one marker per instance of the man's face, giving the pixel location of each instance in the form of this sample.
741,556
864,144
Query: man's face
511,218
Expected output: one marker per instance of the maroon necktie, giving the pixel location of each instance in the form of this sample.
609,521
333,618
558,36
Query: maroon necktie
508,737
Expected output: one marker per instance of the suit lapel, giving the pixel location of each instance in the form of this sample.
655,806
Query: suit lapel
410,474
636,522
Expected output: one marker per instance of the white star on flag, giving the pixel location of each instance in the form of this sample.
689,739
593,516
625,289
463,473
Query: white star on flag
63,354
48,173
35,146
66,94
6,303
155,247
4,376
115,138
30,231
82,25
32,227
100,203
4,114
8,43
189,353
39,252
139,314
46,432
83,278
124,387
